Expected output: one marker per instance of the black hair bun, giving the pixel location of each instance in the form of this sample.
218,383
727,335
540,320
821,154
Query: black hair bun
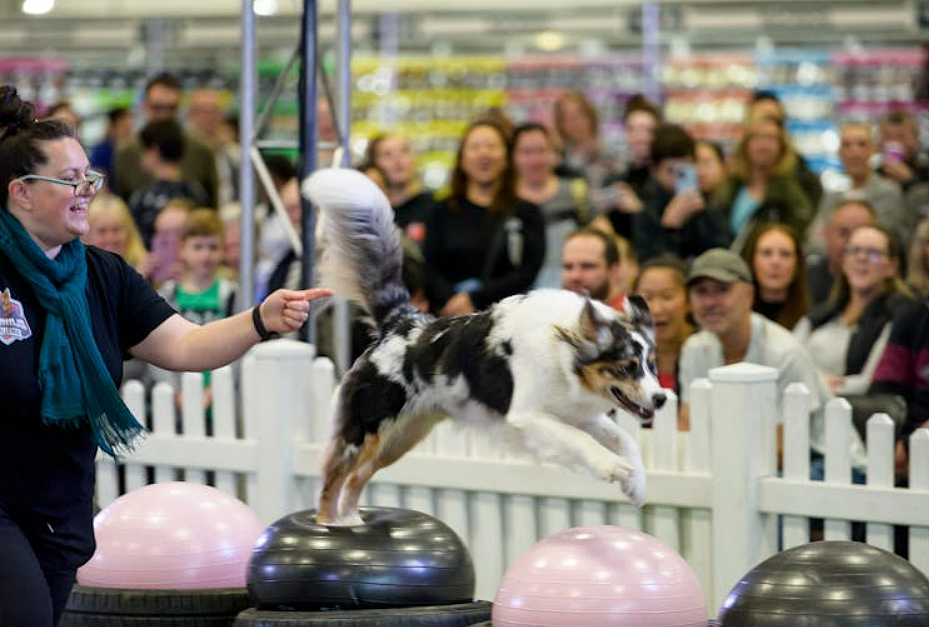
15,113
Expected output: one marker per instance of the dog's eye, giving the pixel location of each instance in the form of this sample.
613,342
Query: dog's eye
653,365
628,369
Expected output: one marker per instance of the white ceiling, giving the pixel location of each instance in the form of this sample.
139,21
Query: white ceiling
179,8
182,8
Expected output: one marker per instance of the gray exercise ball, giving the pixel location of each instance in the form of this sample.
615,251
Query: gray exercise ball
829,584
397,558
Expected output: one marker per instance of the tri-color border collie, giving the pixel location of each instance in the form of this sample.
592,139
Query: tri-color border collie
542,370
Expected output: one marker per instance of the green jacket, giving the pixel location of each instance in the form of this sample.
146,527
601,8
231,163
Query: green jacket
785,202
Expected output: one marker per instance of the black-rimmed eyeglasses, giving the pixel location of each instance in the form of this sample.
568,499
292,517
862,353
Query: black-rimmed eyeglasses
93,181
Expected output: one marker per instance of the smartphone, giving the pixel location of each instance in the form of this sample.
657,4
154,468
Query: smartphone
166,249
893,151
685,178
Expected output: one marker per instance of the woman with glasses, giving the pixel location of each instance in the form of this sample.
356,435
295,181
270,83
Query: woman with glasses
68,315
847,334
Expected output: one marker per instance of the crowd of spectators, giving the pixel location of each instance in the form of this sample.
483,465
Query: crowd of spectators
830,284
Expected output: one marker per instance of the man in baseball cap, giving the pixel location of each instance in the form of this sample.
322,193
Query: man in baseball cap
720,291
721,265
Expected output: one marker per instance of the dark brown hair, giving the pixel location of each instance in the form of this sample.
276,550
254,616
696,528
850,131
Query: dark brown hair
797,304
610,249
20,135
639,102
505,195
672,142
530,127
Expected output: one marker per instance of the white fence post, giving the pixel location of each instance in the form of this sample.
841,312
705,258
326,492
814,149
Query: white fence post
666,522
280,399
919,480
796,456
697,523
743,403
838,463
880,432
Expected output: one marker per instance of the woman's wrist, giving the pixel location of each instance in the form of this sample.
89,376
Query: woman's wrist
259,325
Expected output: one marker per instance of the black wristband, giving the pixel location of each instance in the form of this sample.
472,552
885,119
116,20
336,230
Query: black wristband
263,332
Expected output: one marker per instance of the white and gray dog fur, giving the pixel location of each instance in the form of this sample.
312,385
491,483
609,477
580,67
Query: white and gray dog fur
542,370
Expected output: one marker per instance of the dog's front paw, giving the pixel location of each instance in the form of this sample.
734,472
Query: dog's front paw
634,487
617,469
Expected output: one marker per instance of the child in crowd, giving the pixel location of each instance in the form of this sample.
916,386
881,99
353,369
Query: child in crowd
200,294
166,240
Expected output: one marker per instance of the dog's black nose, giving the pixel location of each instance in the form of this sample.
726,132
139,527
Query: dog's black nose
658,399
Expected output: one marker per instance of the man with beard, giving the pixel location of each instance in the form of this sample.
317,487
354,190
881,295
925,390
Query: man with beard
590,264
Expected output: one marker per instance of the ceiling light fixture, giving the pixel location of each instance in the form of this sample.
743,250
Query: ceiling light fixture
550,41
38,7
265,7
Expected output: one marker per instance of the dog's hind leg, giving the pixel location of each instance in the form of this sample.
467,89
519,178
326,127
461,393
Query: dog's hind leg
341,459
364,468
379,451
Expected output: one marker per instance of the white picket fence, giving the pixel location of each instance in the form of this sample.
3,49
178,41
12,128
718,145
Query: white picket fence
713,493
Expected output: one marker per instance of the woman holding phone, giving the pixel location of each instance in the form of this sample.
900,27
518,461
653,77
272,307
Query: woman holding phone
676,218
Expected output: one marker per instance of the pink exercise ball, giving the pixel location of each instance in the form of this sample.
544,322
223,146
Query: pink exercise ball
173,535
597,577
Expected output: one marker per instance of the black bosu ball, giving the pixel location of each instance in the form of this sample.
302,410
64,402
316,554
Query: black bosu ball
397,558
829,584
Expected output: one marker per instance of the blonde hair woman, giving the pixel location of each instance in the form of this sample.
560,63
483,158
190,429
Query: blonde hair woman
762,186
917,261
112,228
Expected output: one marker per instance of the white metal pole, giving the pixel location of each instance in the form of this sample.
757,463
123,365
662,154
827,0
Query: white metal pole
246,179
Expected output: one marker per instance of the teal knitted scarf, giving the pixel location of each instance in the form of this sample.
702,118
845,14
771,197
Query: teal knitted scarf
73,379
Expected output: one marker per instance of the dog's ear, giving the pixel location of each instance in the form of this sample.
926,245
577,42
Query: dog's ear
638,312
595,329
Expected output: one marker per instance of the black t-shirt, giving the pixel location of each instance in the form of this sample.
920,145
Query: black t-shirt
413,215
472,242
146,203
47,472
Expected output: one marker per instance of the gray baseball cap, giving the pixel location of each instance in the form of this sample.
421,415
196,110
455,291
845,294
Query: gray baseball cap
721,265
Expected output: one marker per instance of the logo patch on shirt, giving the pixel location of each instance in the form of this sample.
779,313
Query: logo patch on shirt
13,323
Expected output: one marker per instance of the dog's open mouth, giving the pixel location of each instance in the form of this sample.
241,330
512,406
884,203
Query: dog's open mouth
646,414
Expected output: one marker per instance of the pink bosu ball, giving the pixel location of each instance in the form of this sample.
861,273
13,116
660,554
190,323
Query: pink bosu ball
597,577
172,536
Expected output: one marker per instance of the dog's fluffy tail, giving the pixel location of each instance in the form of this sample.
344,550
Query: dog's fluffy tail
362,254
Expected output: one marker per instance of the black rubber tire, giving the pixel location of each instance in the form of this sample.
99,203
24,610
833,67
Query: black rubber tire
108,620
125,602
397,558
457,615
